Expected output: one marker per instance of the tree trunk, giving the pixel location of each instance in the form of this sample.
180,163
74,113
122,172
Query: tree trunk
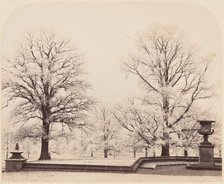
166,147
134,150
185,153
154,151
44,154
146,152
105,153
165,150
154,154
28,150
7,147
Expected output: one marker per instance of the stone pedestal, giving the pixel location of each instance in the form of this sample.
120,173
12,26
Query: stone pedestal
206,154
14,164
206,158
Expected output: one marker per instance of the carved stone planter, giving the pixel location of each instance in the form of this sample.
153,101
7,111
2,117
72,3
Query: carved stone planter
206,149
16,161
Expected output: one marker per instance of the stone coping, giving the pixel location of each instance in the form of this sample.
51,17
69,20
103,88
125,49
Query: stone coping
16,159
204,167
160,161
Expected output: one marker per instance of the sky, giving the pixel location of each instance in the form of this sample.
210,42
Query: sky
105,33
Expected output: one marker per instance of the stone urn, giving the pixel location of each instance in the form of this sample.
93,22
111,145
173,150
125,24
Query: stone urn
16,161
16,154
206,149
205,129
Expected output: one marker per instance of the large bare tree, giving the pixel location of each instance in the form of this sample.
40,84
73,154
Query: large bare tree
172,73
46,82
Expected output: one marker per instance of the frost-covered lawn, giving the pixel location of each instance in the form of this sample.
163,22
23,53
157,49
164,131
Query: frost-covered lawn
47,176
90,160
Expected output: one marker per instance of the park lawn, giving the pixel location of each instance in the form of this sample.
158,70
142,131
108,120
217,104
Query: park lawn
90,161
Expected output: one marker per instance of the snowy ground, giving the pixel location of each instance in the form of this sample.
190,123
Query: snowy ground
46,176
91,161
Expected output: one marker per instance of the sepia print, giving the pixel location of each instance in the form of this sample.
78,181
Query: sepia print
111,92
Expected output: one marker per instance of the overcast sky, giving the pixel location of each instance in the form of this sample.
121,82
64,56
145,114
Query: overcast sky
106,32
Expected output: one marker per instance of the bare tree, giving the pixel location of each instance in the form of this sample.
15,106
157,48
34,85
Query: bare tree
134,142
141,123
106,131
6,141
172,74
189,137
46,82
